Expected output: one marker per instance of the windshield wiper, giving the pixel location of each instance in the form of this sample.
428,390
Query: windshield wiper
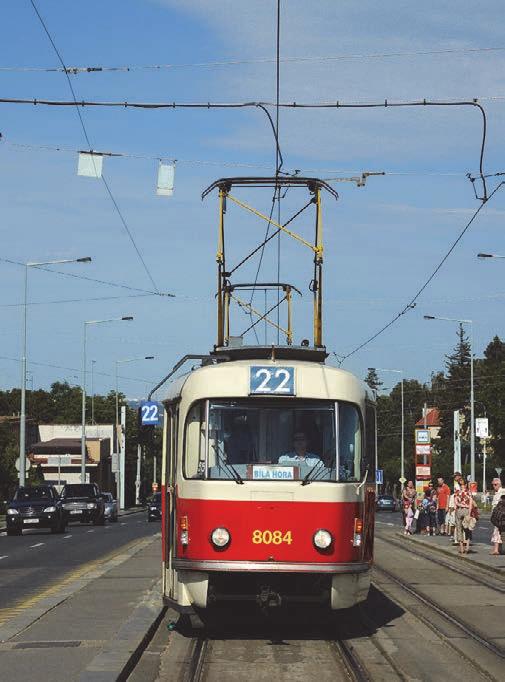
307,479
221,458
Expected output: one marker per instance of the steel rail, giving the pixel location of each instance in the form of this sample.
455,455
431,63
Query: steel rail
197,660
447,615
348,657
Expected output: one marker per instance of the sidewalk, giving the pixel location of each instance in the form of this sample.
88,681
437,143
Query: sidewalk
92,625
478,554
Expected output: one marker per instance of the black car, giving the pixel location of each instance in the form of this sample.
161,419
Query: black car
386,503
83,502
35,507
154,507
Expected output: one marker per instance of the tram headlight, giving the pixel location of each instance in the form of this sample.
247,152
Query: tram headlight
322,538
220,537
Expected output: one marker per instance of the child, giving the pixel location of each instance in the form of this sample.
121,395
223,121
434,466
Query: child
409,517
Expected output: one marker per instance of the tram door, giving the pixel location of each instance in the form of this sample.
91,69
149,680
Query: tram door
169,534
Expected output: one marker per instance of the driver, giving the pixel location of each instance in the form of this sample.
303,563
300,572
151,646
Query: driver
299,454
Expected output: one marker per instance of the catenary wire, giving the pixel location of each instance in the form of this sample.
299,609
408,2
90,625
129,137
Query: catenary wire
81,120
413,300
88,279
74,70
291,105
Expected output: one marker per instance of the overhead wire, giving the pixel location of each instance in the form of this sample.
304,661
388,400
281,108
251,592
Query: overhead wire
335,105
412,303
75,70
81,120
88,279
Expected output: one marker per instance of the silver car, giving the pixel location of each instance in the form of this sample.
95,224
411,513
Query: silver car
110,506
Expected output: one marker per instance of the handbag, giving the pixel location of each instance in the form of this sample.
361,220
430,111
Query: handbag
416,514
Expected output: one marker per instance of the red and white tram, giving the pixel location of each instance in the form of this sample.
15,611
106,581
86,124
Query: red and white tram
267,461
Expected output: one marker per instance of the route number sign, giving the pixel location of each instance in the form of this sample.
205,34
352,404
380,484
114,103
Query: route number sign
149,413
272,380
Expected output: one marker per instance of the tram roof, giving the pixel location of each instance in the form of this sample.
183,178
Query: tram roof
230,379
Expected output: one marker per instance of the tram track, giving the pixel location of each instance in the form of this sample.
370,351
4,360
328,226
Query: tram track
430,610
492,580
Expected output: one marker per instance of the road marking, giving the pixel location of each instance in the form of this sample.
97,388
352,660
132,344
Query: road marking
91,531
4,533
65,537
39,544
122,524
5,556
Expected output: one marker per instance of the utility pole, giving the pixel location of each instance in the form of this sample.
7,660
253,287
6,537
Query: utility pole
122,459
137,479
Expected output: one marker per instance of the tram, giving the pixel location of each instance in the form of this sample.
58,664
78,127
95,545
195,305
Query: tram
268,459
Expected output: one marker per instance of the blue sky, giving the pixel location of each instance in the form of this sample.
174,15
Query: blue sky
381,241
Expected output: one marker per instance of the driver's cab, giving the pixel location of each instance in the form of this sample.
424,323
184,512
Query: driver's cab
280,439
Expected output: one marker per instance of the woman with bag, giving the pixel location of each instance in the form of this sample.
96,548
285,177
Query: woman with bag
463,504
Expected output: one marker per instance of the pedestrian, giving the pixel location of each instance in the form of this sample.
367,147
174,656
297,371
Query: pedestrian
496,538
409,518
451,519
463,503
458,479
443,495
498,518
423,522
432,513
408,498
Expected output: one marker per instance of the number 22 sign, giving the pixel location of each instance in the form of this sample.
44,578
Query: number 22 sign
272,381
149,413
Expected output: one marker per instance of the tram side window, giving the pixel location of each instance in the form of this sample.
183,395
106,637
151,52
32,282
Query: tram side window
369,459
194,452
349,441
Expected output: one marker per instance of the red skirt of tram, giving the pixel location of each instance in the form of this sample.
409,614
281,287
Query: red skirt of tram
268,531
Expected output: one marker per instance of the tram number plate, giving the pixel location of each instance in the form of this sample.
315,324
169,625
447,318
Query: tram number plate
271,537
272,381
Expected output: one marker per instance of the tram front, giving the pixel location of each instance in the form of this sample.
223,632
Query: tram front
265,483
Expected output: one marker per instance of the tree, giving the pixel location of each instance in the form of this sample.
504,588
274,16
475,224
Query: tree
453,393
372,379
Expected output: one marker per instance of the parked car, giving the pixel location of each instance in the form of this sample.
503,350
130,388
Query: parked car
35,507
83,502
386,503
154,507
110,506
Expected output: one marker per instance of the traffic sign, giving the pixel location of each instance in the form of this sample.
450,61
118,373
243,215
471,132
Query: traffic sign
27,464
379,476
423,436
481,427
402,479
498,470
150,413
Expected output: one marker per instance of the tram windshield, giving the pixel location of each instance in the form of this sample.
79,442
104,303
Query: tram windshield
273,440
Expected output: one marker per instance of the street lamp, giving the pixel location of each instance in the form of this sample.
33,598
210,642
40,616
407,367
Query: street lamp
489,255
121,452
22,419
93,363
402,456
472,400
83,389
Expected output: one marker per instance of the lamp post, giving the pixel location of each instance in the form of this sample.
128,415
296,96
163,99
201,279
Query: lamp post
83,389
93,363
472,400
22,419
402,450
122,454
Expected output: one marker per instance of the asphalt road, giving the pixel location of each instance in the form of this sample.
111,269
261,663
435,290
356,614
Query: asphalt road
482,532
37,559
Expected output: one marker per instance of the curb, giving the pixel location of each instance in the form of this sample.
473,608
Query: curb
69,586
121,653
495,570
